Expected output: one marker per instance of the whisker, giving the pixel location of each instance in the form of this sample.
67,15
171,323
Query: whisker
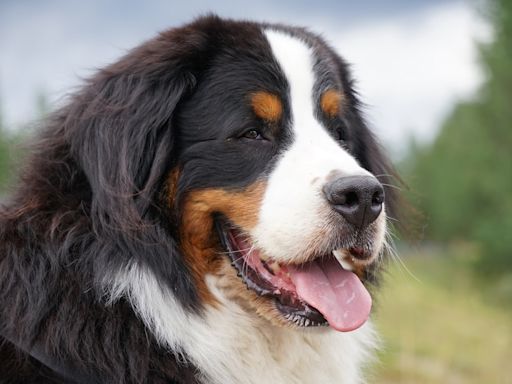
237,251
386,175
245,264
392,186
391,249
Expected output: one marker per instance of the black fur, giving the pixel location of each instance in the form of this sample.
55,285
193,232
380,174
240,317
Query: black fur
91,196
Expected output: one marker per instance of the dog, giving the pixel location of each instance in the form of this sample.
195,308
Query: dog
211,208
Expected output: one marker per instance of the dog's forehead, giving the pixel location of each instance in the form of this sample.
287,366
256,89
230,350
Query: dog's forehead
285,75
315,91
309,84
296,60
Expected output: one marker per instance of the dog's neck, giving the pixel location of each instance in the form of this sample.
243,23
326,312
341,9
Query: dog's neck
247,349
229,345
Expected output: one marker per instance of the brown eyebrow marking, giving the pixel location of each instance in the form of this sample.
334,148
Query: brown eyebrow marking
331,101
267,106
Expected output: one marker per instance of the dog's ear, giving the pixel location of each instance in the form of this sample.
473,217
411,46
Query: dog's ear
122,133
125,136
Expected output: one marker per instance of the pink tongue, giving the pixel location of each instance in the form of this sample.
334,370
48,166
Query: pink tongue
336,293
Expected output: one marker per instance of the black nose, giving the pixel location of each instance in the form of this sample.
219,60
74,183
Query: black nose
358,199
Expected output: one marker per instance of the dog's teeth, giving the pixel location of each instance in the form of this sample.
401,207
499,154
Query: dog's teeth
342,255
300,321
274,266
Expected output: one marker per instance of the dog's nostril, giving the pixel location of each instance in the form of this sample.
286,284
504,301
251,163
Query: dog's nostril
358,199
349,199
378,198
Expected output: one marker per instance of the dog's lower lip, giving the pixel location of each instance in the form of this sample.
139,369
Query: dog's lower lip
359,253
316,292
286,301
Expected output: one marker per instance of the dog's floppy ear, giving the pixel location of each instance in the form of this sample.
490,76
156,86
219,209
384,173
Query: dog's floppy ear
123,137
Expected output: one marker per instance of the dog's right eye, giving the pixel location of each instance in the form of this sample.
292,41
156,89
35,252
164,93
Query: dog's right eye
339,134
253,134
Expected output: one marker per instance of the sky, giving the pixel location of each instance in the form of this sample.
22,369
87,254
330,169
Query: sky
412,59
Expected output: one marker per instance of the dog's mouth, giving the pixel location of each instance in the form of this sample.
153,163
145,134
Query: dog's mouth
318,292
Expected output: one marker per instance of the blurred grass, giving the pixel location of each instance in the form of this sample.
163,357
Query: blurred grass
444,324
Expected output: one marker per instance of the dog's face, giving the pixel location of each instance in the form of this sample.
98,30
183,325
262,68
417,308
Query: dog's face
213,186
276,181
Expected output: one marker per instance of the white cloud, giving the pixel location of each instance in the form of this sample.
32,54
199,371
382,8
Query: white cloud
412,69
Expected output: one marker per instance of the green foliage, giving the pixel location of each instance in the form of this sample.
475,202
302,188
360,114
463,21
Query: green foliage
5,156
12,142
465,177
439,325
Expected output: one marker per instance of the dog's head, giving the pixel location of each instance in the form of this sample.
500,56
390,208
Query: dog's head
231,158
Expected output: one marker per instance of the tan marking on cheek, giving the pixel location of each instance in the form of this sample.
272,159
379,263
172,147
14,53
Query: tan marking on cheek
199,241
172,186
267,106
330,102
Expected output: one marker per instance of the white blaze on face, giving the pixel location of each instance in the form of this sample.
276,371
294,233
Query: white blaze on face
294,210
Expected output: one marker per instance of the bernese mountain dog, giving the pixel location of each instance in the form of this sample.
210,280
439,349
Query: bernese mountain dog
211,208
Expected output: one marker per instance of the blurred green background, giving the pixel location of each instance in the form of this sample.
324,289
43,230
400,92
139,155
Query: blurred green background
445,308
446,312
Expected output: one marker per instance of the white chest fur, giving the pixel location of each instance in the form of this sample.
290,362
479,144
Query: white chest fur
244,349
229,345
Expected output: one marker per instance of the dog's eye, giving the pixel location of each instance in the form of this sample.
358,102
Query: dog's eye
339,133
253,134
